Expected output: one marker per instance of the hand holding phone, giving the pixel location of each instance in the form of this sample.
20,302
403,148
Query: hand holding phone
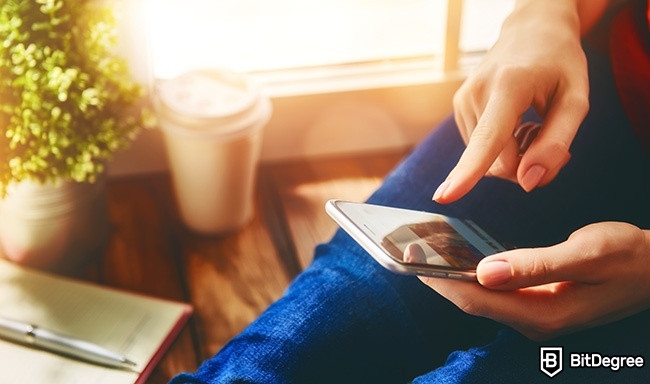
415,242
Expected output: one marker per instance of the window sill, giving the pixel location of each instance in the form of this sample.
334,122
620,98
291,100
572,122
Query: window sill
352,77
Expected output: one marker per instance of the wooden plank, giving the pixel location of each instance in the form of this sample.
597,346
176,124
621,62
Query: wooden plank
232,279
143,241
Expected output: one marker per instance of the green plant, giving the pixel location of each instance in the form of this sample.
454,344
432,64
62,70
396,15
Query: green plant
67,101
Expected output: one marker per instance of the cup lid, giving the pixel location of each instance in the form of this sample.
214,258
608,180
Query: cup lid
211,102
207,94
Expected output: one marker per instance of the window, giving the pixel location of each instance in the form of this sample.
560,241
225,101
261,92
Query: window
261,36
344,75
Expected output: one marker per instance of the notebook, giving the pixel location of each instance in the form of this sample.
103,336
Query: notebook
139,327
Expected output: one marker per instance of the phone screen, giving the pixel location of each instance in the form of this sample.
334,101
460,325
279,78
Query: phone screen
421,238
433,242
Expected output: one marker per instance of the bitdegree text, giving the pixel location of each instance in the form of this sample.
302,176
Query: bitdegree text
596,360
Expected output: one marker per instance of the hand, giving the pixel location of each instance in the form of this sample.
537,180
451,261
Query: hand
599,275
537,61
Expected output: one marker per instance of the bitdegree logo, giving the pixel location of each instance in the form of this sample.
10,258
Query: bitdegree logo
596,360
551,361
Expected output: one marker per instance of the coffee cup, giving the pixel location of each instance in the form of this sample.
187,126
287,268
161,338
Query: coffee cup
212,123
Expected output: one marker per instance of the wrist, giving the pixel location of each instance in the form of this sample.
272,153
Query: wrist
550,15
579,15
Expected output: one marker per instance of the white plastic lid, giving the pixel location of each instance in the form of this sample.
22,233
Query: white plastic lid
207,94
205,103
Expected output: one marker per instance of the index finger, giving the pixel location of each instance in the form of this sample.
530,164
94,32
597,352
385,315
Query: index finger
493,131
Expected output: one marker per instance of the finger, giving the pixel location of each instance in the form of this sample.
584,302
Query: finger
591,255
493,131
531,267
505,166
549,151
461,124
465,120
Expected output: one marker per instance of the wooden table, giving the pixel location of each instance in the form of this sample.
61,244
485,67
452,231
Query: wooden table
232,278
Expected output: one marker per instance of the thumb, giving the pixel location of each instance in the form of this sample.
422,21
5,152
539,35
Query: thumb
529,267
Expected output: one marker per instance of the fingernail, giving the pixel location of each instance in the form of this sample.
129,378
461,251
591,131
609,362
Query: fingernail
494,273
441,190
532,177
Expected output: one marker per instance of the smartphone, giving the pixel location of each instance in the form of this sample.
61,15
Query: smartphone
415,242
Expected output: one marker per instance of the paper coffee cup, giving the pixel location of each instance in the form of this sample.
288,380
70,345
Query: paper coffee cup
212,122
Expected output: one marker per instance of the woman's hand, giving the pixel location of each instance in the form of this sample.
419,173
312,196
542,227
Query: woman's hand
537,61
599,275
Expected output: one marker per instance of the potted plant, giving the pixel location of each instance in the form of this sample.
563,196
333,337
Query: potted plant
67,104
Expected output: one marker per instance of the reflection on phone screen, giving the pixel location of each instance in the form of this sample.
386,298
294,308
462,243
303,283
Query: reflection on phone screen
432,242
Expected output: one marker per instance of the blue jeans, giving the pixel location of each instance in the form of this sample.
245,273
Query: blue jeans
346,319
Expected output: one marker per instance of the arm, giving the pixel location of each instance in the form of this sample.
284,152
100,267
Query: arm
537,61
600,273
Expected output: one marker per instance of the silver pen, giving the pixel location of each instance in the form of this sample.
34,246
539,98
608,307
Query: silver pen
34,336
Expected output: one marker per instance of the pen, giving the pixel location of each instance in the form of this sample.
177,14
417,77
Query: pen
34,336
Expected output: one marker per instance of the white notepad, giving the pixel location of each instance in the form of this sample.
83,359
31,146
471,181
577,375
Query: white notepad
137,326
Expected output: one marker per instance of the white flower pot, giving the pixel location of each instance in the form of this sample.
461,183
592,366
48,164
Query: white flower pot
54,226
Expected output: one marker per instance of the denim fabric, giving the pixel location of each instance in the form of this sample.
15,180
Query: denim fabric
346,319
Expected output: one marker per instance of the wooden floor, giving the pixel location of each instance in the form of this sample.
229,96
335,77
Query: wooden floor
230,279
